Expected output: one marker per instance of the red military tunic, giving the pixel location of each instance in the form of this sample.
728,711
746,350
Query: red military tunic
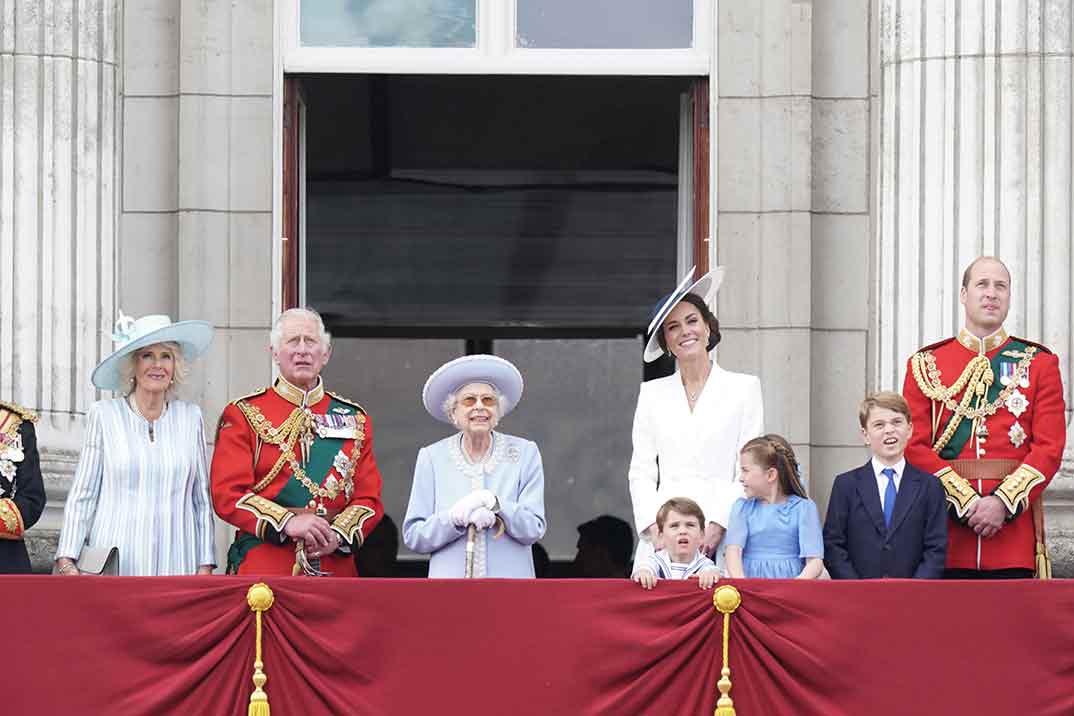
992,399
274,459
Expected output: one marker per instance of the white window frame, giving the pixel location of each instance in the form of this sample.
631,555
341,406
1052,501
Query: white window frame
495,52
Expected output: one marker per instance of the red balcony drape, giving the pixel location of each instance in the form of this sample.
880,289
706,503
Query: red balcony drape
185,646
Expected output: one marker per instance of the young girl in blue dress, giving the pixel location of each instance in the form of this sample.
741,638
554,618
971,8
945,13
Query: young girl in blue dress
774,531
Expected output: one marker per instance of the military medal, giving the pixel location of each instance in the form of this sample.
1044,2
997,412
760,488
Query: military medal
1017,434
343,464
343,427
1017,403
1006,371
10,453
982,430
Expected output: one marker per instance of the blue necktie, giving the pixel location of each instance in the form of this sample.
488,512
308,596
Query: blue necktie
889,495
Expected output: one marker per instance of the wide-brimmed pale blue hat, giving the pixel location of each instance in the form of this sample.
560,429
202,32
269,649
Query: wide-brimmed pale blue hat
193,338
705,287
448,378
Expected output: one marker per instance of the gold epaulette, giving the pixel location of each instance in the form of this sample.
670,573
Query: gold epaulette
935,345
259,391
24,413
348,401
1015,488
11,416
960,493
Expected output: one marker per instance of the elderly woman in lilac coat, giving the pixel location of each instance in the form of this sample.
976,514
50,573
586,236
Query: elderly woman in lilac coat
476,477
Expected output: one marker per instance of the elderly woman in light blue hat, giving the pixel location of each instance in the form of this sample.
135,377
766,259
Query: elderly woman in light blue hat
141,485
477,502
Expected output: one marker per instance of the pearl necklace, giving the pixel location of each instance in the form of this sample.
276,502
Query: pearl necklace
133,403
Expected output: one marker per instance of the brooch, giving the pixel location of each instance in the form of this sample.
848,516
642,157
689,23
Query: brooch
1017,403
344,465
1017,434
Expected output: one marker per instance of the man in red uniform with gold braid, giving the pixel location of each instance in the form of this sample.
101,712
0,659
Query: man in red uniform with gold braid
989,422
293,468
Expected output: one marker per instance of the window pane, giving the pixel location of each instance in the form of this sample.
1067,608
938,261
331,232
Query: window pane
460,203
578,407
605,24
389,23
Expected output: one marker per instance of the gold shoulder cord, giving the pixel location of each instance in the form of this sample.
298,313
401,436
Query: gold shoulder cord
285,436
976,378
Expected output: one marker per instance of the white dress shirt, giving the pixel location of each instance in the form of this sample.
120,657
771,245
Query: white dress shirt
697,451
882,479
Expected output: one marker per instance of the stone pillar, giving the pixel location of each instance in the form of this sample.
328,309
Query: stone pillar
763,200
976,158
58,167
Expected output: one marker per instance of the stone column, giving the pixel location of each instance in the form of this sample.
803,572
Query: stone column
976,158
763,199
58,166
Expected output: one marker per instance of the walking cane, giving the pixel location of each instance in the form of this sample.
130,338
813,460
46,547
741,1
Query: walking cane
471,540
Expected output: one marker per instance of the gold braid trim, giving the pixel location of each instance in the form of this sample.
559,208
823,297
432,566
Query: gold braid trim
285,436
960,492
1015,488
976,378
348,523
11,525
266,511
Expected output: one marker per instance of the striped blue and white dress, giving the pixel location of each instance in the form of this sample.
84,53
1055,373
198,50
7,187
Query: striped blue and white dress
148,498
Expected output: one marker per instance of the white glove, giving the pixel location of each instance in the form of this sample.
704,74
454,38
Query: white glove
488,499
460,511
482,518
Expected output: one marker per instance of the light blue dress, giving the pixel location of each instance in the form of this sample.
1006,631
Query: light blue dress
775,539
442,475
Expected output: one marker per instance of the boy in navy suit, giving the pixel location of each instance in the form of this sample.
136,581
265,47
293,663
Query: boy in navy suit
887,518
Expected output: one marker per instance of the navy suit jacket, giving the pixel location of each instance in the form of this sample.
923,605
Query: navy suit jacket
857,545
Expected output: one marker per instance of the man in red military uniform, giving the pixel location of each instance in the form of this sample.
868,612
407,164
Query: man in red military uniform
988,418
293,469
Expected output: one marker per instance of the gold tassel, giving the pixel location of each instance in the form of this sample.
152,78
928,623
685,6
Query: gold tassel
1044,562
726,600
260,599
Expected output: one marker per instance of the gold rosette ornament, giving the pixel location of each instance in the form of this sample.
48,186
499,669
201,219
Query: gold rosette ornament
260,599
726,599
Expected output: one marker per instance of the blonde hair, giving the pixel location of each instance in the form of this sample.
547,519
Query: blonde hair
128,369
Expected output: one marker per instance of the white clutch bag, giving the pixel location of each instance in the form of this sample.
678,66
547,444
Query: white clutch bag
97,560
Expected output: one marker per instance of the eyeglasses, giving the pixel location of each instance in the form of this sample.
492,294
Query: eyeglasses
469,401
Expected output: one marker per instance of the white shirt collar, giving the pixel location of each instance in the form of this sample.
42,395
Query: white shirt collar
879,467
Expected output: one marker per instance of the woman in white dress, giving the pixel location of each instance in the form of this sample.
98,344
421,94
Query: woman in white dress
690,426
142,484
